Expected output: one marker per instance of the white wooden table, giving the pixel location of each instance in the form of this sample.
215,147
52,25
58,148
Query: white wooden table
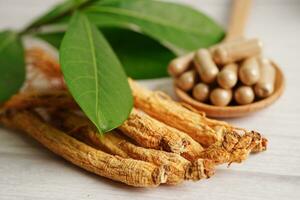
29,171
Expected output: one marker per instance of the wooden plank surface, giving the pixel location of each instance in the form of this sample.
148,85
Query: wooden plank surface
29,171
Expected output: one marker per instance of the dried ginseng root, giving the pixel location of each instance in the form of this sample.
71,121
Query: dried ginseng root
233,147
145,130
147,133
177,168
151,133
42,60
132,172
203,130
161,107
42,71
58,98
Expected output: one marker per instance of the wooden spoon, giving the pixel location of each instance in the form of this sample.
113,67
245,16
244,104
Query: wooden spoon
236,29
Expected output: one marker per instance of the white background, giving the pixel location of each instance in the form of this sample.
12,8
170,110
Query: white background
29,171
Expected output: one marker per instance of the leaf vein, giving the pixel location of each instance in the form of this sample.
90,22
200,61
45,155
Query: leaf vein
94,61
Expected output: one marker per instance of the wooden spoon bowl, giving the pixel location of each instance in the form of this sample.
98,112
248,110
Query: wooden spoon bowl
235,110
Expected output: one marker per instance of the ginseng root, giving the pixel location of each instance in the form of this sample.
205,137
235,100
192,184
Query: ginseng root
42,60
58,98
161,107
203,130
132,172
233,147
42,71
142,128
177,167
151,133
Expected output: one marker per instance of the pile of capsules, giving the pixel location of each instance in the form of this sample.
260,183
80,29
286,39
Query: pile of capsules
232,73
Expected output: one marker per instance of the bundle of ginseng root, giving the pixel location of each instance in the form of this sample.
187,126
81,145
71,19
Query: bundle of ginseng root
162,141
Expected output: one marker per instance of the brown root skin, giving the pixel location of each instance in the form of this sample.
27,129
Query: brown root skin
183,117
177,168
201,168
61,99
150,133
262,146
233,147
56,99
163,108
44,62
42,71
132,172
145,130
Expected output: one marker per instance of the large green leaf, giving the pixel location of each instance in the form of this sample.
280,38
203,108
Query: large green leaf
59,11
141,56
12,66
178,26
94,75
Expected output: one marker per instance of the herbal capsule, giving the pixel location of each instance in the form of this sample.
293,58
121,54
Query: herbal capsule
265,86
249,71
201,92
216,46
228,76
234,51
244,95
187,80
179,65
205,66
220,97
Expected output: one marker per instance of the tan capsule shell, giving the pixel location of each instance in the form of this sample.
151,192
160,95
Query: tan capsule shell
220,97
201,92
244,95
228,76
265,86
187,80
249,71
205,66
235,51
216,46
179,65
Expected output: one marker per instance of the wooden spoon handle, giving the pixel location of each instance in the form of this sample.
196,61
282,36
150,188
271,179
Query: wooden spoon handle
238,18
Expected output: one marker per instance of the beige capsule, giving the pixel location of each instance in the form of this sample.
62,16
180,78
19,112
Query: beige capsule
179,65
205,66
228,76
216,46
187,80
220,97
265,86
201,92
237,50
244,95
249,71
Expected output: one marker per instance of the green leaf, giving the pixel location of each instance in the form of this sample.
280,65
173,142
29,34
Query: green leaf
177,26
141,56
12,65
58,11
94,75
53,38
